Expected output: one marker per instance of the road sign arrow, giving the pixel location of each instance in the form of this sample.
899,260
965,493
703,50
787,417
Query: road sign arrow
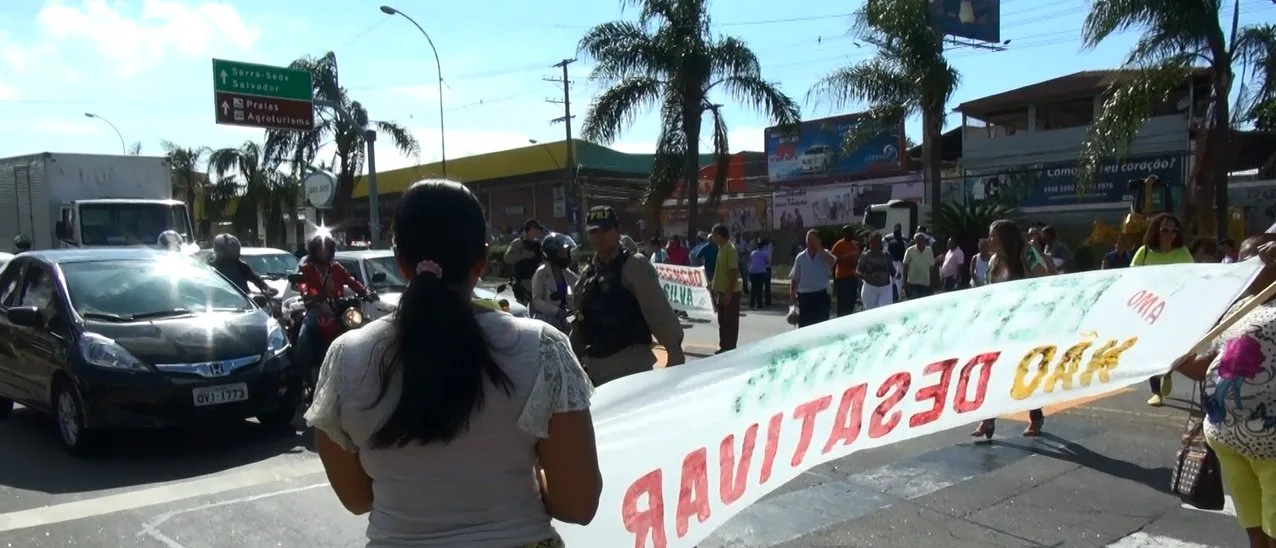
225,108
223,77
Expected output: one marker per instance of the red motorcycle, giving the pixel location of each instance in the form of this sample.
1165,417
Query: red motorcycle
346,315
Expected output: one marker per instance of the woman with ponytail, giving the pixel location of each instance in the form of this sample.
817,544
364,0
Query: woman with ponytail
470,426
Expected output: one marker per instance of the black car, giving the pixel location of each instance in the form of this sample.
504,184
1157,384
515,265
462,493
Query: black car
136,338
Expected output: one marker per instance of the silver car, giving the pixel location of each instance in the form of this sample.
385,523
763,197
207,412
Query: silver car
273,265
377,269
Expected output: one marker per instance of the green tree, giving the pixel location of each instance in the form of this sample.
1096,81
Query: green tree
908,75
349,136
263,189
671,58
185,163
1178,37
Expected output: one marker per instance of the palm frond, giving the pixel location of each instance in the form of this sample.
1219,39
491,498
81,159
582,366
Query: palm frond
763,96
732,57
622,49
721,157
618,107
877,81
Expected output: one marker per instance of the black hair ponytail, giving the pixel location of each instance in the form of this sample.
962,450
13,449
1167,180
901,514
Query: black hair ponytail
439,349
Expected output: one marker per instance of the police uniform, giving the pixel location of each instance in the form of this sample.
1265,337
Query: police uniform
619,307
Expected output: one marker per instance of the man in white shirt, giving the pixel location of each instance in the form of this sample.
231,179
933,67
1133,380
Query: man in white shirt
809,281
951,270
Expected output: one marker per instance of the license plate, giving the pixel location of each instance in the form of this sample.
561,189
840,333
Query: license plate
217,395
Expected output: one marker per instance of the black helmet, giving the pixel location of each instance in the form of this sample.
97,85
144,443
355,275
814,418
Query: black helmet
324,240
557,249
21,243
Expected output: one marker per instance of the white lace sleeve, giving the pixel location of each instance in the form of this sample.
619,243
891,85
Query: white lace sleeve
561,384
325,411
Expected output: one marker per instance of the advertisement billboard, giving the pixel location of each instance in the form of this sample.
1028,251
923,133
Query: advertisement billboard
1055,184
815,151
973,19
836,205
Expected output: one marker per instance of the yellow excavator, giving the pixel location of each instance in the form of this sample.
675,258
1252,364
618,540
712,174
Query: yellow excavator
1148,198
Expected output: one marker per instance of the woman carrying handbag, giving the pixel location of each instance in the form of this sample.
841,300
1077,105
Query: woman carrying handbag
1237,395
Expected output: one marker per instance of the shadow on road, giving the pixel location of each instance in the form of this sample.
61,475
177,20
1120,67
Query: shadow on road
32,457
1063,449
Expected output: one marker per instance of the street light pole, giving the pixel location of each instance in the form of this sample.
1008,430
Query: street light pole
437,65
374,195
123,147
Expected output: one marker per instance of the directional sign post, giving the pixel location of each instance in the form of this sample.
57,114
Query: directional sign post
267,97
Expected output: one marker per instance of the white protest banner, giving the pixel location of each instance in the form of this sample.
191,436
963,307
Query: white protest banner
685,448
687,289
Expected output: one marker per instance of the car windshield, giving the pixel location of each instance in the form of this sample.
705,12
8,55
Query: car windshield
394,280
125,290
275,265
130,223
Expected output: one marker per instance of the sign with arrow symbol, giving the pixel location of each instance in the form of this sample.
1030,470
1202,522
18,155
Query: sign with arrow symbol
252,95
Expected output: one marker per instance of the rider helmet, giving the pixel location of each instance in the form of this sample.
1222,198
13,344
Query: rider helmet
170,240
321,240
21,243
226,247
557,249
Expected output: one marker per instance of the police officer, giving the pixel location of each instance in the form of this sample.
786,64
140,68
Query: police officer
524,255
619,306
21,243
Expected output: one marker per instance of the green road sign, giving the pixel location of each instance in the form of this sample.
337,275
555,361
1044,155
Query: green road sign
262,80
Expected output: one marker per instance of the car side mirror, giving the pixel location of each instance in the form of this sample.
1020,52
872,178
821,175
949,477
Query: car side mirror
25,316
378,277
296,278
260,300
62,231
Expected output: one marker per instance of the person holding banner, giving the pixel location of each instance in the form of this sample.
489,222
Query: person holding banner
1013,259
1162,244
619,306
452,424
1239,399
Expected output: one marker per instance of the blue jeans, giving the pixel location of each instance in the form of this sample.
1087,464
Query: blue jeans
309,350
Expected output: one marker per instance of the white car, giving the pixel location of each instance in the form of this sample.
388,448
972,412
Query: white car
378,270
816,159
273,265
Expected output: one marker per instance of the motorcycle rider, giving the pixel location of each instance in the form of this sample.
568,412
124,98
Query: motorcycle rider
21,243
552,282
324,278
226,261
619,306
524,254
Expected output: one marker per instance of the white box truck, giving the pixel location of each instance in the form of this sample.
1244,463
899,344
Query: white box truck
89,200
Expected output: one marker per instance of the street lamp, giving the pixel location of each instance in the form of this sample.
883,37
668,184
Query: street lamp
438,65
123,148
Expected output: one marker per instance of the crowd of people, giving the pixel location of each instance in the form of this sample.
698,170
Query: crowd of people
455,424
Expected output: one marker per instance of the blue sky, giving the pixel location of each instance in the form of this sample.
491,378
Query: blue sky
145,64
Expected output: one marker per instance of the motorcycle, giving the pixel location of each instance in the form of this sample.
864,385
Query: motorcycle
347,315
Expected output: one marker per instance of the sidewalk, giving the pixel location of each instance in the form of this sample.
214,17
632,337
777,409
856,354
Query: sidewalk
692,352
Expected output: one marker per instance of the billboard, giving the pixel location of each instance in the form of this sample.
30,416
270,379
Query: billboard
836,205
1055,184
815,151
973,19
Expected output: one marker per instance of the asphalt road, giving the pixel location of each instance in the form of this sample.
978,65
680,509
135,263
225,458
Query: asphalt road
1098,479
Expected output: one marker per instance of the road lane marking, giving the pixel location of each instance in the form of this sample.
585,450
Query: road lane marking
1143,540
152,496
1070,404
151,528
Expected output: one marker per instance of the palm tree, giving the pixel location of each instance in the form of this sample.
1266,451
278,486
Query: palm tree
670,57
184,163
263,190
348,135
1178,36
908,75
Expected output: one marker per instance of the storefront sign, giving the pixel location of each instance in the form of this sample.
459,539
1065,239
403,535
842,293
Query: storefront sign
1055,184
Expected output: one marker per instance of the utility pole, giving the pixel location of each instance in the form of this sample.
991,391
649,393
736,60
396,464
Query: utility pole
573,193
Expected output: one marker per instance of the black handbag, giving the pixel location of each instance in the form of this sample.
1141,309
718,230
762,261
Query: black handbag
1198,478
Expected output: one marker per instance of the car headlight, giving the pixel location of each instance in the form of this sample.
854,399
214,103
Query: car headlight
103,352
352,318
276,339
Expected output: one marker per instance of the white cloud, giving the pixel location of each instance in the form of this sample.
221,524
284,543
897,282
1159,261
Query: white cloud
73,126
7,93
130,44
